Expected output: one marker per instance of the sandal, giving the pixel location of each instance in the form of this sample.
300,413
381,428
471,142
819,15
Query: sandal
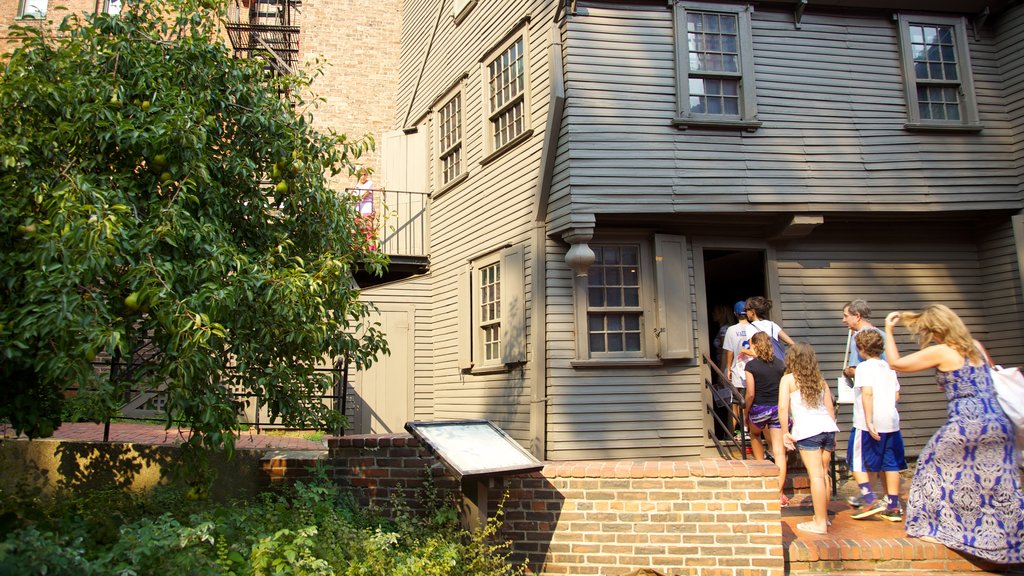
810,527
783,500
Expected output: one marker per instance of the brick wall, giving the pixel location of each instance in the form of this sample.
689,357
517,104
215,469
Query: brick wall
707,517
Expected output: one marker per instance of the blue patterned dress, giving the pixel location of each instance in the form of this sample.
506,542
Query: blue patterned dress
966,492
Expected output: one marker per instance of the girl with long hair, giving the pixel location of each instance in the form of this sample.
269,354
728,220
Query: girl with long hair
804,396
966,491
762,400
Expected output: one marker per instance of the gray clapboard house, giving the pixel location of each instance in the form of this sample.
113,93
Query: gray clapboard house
602,174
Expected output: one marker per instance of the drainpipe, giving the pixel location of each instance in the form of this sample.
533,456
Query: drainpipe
538,264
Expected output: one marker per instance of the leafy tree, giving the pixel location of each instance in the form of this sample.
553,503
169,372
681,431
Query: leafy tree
164,206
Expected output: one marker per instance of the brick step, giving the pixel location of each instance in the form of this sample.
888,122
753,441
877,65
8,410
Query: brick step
872,546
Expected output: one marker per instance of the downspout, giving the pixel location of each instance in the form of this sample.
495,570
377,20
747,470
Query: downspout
538,263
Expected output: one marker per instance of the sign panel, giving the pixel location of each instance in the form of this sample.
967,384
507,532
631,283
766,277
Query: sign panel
474,448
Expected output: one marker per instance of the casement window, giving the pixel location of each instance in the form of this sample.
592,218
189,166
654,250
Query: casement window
449,140
30,9
937,73
634,303
714,66
506,85
492,315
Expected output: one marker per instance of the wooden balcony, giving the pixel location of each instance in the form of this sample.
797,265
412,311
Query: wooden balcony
398,221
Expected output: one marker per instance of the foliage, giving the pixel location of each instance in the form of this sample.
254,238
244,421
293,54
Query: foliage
313,529
167,209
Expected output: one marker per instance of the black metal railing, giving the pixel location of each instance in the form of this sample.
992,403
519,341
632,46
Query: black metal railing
266,29
730,446
397,219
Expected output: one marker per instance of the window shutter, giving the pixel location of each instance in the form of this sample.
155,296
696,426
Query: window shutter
404,161
513,306
466,328
674,313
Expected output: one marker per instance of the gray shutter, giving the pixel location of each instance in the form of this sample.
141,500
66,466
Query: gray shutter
674,314
513,306
465,328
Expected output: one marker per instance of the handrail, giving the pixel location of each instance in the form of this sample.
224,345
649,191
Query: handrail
396,218
734,421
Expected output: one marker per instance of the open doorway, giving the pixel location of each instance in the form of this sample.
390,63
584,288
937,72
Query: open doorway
730,275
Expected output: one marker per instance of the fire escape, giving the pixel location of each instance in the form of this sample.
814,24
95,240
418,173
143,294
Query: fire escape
266,29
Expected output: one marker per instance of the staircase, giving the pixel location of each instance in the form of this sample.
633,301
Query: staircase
266,29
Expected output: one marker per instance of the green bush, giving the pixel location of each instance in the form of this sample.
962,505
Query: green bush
312,529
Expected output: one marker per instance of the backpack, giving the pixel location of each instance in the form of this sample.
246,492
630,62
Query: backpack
777,348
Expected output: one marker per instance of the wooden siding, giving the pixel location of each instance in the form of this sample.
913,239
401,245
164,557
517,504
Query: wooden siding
830,95
898,268
1004,298
1010,46
492,206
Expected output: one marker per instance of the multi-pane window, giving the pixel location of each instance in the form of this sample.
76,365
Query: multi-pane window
714,65
713,42
940,91
450,139
490,312
32,9
614,310
507,82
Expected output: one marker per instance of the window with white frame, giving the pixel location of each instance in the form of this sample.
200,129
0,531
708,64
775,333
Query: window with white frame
506,79
633,304
489,317
937,73
449,136
32,9
714,66
492,312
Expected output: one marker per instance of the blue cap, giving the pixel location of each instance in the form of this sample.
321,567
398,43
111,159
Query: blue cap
740,307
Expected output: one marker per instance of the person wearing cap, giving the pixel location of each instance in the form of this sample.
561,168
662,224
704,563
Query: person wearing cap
736,351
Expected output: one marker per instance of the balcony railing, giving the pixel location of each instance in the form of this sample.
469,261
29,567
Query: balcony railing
396,218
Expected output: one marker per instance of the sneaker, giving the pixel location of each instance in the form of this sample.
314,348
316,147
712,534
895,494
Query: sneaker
856,501
876,507
891,514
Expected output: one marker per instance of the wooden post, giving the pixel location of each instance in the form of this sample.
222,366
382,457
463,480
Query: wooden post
474,503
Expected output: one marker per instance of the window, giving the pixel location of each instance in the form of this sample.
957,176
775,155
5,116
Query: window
449,127
489,328
634,303
492,315
614,314
714,66
937,73
32,9
506,78
112,7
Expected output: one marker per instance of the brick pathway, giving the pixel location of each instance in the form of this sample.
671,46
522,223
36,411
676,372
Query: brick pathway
155,434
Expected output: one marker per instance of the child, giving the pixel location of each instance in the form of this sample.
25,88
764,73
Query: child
763,375
804,395
876,444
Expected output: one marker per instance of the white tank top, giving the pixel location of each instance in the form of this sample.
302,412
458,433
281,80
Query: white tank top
808,422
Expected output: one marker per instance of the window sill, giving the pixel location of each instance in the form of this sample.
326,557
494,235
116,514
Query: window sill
455,182
493,369
508,146
922,127
746,125
617,363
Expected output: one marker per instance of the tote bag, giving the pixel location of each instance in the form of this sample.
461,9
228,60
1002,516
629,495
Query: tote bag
1009,385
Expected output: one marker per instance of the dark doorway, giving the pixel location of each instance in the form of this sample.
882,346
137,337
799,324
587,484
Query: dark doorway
729,276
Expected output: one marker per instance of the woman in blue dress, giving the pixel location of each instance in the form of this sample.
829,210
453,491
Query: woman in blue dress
966,491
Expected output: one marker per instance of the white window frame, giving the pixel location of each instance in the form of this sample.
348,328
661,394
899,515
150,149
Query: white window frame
964,85
508,318
746,118
450,149
665,307
32,9
497,114
113,7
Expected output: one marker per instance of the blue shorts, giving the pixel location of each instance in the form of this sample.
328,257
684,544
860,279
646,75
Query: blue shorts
765,416
865,454
823,441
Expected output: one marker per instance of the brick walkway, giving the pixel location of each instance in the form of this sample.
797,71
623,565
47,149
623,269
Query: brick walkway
155,434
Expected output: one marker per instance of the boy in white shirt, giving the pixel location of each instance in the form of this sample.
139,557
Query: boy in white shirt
876,444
